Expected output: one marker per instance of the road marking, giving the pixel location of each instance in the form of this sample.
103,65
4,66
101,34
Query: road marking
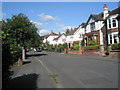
52,76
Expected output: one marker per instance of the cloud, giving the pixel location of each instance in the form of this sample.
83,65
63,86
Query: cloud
47,18
38,25
43,32
2,15
64,28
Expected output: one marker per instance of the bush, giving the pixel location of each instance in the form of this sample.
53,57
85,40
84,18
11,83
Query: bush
93,42
96,47
76,47
106,48
115,46
71,48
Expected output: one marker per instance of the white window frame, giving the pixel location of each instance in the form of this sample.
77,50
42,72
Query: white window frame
112,38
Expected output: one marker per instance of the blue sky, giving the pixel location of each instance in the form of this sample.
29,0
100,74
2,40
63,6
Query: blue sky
55,16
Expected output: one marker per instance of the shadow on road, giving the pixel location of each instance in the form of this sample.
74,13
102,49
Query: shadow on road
39,54
25,81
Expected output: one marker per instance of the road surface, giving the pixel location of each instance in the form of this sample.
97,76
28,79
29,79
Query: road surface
58,70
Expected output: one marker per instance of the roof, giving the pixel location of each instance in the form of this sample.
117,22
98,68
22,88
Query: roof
52,33
115,11
73,31
59,36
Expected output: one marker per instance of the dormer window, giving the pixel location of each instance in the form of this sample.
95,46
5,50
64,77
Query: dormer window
92,26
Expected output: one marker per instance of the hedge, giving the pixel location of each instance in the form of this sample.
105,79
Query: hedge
115,46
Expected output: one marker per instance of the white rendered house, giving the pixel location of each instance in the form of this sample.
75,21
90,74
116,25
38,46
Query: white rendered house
50,38
75,35
61,39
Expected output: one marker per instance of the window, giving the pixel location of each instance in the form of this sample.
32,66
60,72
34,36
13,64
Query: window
92,25
109,22
80,35
110,39
115,37
114,22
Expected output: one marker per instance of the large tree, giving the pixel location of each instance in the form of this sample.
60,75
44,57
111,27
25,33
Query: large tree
17,31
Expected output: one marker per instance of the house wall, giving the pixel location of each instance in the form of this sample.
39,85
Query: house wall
77,36
61,40
50,39
98,26
113,30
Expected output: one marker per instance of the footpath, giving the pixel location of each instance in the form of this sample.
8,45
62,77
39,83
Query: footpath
31,75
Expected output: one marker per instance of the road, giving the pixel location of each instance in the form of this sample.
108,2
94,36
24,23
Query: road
58,70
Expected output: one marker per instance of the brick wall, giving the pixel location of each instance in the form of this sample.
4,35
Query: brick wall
114,53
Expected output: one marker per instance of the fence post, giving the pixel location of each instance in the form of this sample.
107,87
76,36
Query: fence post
23,54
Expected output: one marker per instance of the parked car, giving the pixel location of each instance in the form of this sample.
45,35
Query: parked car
37,49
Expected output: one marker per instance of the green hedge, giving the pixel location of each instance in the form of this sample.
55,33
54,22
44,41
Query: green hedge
76,47
96,47
115,46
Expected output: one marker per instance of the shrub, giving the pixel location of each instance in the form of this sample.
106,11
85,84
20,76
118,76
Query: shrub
106,48
96,47
115,46
71,48
76,47
93,42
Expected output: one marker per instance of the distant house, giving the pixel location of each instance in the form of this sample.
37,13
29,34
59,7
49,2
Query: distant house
75,35
93,28
110,29
50,38
61,39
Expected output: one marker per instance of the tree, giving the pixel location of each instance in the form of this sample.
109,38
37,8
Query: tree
17,31
67,31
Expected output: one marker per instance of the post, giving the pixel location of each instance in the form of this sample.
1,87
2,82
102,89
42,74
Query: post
23,54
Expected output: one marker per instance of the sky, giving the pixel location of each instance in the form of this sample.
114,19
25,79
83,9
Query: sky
56,16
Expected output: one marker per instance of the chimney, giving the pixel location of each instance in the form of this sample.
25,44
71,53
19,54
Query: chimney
105,11
59,33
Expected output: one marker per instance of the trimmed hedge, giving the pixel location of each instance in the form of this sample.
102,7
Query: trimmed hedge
96,47
115,46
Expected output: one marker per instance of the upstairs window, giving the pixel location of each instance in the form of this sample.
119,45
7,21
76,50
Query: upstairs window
114,22
92,25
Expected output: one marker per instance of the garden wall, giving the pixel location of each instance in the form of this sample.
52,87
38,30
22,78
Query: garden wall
114,53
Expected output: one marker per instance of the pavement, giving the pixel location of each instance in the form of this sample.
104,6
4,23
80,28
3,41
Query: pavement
59,70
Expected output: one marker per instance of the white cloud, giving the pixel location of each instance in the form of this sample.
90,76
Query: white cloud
64,28
38,25
43,32
46,17
2,15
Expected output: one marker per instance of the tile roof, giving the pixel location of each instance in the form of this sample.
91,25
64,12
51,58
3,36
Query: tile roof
73,31
115,11
52,33
59,36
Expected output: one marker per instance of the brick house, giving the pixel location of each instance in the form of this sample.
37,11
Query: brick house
94,26
110,29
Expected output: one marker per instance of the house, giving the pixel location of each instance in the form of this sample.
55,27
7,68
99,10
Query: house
61,39
118,18
94,26
50,38
75,35
110,29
